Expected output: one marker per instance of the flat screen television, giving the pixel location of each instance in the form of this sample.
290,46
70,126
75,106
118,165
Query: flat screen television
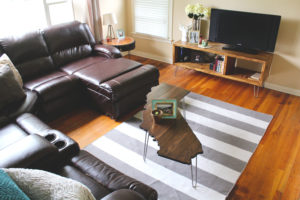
244,31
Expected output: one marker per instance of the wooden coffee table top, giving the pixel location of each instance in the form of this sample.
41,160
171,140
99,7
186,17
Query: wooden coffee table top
174,136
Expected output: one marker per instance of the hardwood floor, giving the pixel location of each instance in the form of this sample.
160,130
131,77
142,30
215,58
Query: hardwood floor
273,172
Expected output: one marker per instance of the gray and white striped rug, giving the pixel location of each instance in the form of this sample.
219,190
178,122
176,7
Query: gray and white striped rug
229,135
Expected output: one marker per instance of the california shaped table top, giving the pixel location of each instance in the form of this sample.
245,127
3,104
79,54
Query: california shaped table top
174,136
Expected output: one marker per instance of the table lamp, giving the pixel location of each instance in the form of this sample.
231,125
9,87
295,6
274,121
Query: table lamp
110,19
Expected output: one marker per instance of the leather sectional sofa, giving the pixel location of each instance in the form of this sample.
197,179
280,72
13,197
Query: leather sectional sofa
65,67
29,143
62,67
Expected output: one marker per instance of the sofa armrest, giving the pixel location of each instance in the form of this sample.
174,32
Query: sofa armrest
29,151
107,51
123,194
28,105
110,177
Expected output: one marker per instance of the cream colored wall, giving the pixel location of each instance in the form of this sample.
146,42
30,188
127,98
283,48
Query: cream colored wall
114,6
285,71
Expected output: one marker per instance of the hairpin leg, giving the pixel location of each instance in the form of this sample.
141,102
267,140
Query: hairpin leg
194,178
183,108
146,145
255,90
176,69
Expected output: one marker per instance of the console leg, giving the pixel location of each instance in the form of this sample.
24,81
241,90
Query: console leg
146,145
183,108
194,178
176,69
256,91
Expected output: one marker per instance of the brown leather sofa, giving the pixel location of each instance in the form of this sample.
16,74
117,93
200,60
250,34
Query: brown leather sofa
29,143
61,68
65,67
26,142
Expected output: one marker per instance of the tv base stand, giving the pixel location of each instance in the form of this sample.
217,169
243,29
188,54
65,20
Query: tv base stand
230,70
240,49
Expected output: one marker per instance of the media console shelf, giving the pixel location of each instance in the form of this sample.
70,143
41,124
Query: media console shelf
230,71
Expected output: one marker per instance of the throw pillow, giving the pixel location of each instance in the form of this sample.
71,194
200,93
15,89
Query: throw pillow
9,189
5,60
10,90
42,185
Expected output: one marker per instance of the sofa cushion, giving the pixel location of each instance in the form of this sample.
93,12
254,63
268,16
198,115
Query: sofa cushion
124,194
97,189
39,184
53,85
108,176
9,189
57,87
127,83
98,73
4,59
9,134
10,90
29,53
32,84
73,67
28,105
69,42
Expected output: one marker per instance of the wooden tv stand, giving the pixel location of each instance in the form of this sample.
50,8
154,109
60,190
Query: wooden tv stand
230,71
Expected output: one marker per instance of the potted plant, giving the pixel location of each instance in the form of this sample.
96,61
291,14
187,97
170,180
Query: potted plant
196,12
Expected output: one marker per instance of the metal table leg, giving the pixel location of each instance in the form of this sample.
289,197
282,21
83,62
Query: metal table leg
194,178
255,90
183,108
176,69
146,145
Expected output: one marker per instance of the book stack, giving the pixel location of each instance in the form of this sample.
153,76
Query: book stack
218,64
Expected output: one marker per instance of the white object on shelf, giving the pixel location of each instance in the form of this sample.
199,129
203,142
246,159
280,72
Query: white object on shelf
184,32
255,76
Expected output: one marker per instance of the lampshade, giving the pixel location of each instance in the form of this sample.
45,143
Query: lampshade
109,19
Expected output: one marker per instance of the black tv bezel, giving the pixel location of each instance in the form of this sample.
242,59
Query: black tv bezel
237,47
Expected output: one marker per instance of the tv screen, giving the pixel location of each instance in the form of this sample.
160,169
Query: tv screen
243,29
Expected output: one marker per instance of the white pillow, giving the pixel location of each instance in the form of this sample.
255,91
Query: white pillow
42,185
4,60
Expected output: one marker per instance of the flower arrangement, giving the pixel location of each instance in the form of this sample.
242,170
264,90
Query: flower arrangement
196,11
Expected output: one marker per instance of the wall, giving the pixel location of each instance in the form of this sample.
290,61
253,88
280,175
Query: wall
285,70
119,8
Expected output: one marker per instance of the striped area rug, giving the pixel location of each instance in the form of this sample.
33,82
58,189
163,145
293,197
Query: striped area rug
229,135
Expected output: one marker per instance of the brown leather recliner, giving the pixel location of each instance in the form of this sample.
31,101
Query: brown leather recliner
29,143
64,65
26,142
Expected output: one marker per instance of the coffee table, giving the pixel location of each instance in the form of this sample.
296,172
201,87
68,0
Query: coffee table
175,138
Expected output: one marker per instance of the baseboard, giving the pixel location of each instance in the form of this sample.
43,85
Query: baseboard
124,53
151,56
282,89
169,60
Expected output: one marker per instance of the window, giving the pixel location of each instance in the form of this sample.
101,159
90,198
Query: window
58,11
152,17
18,16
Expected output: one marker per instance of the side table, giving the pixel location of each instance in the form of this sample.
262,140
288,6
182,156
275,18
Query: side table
126,44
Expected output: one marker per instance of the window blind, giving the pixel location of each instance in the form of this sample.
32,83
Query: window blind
151,17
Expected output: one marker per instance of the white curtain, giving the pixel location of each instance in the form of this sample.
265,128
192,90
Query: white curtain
88,11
